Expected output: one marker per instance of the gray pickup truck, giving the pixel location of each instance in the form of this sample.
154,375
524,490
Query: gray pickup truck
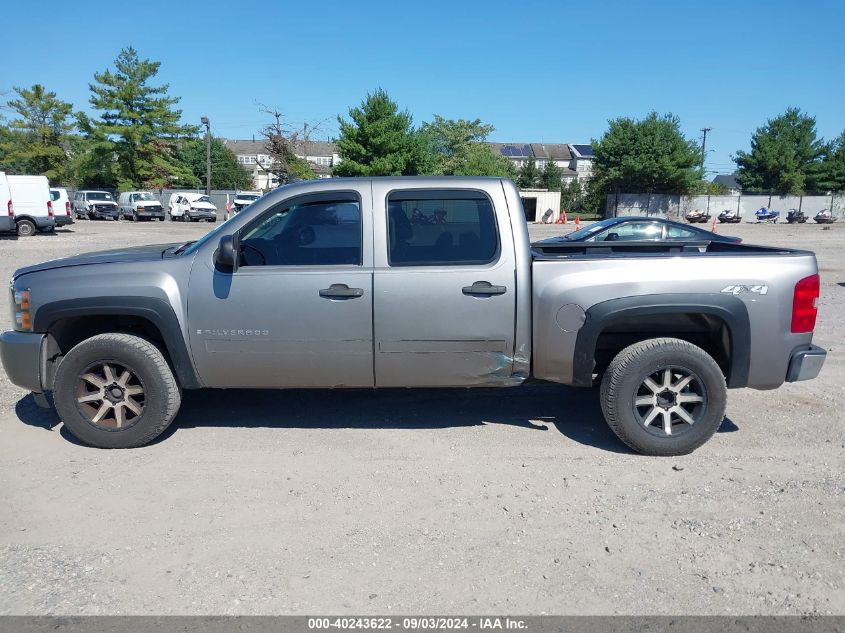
410,282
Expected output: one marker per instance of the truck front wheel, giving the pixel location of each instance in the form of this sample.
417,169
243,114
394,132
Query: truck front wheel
663,396
115,391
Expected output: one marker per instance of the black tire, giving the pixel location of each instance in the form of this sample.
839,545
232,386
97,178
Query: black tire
25,228
161,219
134,216
625,378
160,391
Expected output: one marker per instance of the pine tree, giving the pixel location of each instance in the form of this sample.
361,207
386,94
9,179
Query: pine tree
140,122
37,141
551,176
785,156
379,140
528,175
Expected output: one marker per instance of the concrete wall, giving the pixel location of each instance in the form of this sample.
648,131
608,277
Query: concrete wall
675,207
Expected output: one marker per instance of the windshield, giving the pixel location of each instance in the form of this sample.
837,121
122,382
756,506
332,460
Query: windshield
99,195
210,236
589,230
247,196
202,199
144,195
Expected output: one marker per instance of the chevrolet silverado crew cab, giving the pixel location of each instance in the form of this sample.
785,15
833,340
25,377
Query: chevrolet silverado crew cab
410,282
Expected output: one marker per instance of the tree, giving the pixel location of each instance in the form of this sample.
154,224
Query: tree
528,175
550,177
458,148
832,169
281,143
785,156
37,141
647,155
140,122
572,196
379,140
226,171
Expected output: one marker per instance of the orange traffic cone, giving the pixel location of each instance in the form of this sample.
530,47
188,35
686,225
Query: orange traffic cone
713,228
563,215
577,222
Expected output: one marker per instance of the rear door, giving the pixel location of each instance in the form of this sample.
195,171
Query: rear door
444,286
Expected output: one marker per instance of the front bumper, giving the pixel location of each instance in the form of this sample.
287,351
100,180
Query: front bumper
202,215
805,364
20,353
151,212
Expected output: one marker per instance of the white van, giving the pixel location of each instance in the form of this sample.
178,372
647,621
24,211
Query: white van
33,207
61,206
7,211
191,207
139,205
245,198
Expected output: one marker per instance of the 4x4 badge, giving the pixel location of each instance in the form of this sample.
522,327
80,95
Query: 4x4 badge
735,290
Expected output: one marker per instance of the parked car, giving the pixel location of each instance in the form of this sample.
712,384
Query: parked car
730,216
94,205
286,295
697,216
636,228
824,217
32,204
245,198
7,209
61,206
140,205
192,207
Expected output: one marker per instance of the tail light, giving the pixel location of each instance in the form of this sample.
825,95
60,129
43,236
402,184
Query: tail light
10,209
805,304
50,208
67,206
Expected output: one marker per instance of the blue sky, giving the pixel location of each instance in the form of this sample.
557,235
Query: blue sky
539,71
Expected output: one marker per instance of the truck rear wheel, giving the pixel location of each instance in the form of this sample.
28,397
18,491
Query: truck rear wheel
116,391
663,396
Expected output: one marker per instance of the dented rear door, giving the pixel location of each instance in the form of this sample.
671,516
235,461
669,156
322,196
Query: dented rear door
443,286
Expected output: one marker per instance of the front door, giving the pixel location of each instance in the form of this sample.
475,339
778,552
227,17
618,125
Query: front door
298,310
444,287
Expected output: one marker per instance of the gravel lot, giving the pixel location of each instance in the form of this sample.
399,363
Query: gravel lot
451,502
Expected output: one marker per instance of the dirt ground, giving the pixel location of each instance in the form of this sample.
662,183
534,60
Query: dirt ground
434,501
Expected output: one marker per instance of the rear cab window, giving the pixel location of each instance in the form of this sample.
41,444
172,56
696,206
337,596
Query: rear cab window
441,227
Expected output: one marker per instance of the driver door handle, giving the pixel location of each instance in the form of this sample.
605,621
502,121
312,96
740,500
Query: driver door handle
484,289
341,291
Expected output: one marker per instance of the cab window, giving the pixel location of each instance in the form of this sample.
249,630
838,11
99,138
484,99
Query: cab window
308,233
441,227
630,231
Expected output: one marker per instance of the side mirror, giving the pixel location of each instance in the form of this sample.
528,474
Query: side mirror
226,255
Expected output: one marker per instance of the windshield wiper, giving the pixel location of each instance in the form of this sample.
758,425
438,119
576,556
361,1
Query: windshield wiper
182,248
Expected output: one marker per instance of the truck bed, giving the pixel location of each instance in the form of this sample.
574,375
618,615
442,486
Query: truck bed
562,249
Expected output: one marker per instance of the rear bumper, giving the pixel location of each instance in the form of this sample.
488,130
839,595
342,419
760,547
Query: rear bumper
806,364
62,220
7,224
20,353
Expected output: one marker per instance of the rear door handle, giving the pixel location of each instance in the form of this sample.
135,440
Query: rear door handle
341,291
484,289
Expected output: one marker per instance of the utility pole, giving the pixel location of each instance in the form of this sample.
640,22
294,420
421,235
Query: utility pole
204,120
704,131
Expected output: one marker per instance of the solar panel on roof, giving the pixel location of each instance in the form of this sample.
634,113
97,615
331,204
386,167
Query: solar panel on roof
584,150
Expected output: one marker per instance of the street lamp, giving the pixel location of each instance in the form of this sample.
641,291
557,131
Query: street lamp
204,120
